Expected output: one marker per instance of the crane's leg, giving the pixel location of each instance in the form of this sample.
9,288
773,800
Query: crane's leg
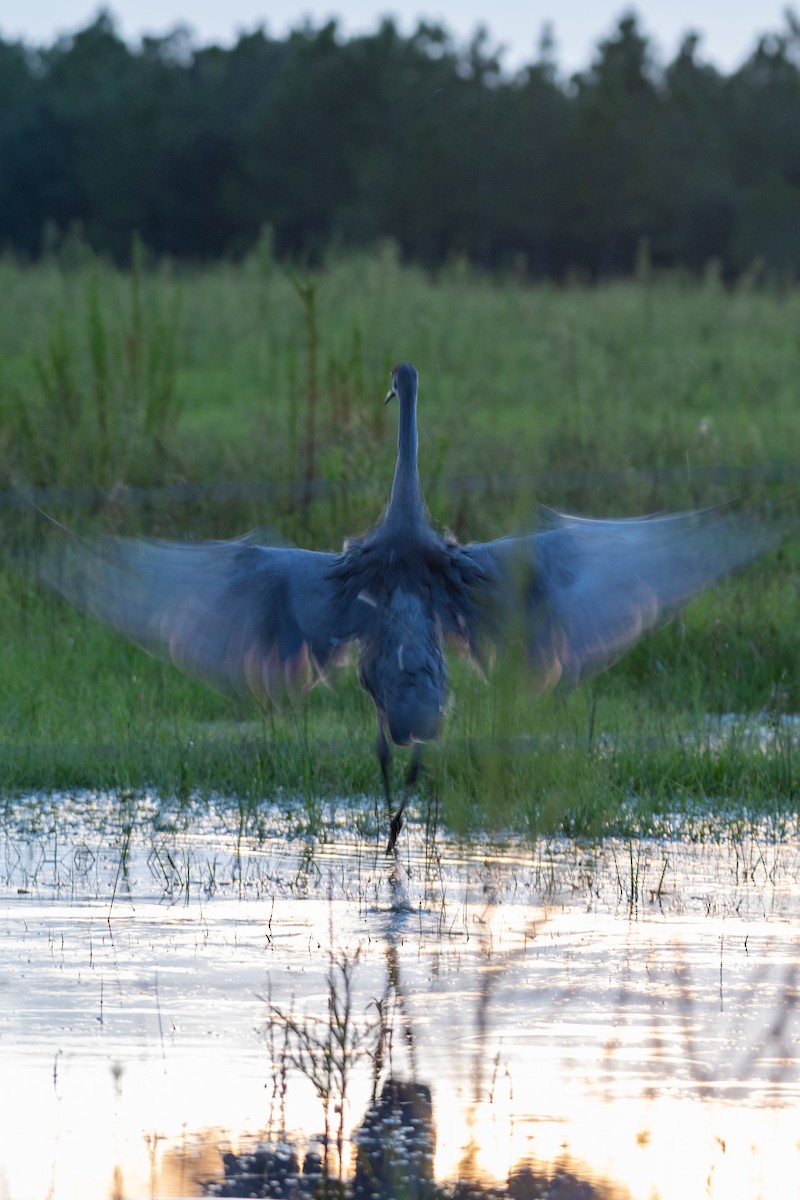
385,759
411,778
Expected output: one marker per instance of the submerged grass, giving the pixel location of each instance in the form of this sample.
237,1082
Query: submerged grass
625,398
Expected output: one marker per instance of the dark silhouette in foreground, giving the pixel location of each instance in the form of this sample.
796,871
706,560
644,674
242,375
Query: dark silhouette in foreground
394,1148
395,1144
573,595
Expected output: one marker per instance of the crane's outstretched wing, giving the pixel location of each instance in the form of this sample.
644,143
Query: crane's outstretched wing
581,592
238,615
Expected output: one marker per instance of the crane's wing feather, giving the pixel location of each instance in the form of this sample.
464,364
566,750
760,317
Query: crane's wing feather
238,615
581,592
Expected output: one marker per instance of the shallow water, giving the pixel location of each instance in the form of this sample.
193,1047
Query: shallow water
624,1014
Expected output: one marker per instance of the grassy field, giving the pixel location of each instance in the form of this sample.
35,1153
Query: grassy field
264,389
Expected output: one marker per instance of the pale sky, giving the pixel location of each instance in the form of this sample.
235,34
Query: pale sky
729,28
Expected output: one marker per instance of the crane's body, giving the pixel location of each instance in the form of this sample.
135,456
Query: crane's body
576,593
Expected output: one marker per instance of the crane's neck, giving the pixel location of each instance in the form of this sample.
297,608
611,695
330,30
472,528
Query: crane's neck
406,498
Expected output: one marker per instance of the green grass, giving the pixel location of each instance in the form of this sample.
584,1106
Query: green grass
612,400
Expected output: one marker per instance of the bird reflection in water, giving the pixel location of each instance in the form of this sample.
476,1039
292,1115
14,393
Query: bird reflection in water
393,1147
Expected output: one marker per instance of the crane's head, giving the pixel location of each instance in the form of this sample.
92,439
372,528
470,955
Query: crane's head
404,382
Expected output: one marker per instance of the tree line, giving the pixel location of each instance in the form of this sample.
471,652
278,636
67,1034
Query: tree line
341,142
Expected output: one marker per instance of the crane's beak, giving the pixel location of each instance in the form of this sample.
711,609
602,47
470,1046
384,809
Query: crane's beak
390,395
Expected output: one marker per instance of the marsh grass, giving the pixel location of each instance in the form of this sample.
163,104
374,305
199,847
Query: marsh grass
96,402
267,386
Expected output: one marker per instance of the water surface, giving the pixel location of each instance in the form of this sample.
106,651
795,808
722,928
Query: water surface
624,1013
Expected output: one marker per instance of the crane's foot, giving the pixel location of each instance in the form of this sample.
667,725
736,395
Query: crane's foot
396,823
394,829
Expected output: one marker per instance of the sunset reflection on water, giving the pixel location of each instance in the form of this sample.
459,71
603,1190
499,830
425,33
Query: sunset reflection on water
643,1043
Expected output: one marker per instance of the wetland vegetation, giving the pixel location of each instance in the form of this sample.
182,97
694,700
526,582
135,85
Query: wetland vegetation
206,402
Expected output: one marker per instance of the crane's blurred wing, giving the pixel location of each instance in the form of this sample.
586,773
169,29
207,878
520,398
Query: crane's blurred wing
239,616
581,592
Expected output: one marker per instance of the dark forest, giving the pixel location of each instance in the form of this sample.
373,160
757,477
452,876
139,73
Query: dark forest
334,143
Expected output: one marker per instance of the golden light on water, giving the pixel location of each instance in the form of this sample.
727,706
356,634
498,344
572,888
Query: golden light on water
648,1049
